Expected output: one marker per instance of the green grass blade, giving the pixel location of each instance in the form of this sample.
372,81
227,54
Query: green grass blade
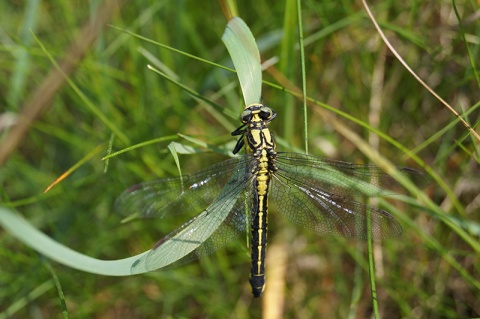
243,50
469,51
32,237
371,267
172,148
288,66
304,73
433,243
213,148
139,145
21,303
193,93
23,60
58,286
164,46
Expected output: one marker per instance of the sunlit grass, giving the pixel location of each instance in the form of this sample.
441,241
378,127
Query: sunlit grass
429,272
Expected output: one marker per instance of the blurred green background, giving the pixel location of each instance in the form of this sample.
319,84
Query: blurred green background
431,271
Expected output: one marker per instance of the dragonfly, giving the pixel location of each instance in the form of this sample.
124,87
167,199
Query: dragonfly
232,199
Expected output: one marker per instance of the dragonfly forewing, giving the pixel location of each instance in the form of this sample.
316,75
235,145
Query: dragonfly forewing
188,194
219,222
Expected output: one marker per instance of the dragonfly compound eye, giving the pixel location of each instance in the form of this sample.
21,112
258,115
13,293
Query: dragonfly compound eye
267,113
246,116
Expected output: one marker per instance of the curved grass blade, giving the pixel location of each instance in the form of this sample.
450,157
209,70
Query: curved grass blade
190,236
243,50
32,237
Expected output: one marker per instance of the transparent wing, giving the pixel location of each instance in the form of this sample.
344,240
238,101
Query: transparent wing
318,194
187,194
218,196
343,178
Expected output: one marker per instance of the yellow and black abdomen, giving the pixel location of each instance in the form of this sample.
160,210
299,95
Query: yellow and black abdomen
259,232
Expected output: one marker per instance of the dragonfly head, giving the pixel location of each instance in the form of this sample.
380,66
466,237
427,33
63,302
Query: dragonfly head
257,112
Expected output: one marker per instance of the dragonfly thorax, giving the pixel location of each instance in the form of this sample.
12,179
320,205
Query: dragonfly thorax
254,132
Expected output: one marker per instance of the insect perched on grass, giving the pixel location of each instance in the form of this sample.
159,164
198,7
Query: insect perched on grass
234,196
